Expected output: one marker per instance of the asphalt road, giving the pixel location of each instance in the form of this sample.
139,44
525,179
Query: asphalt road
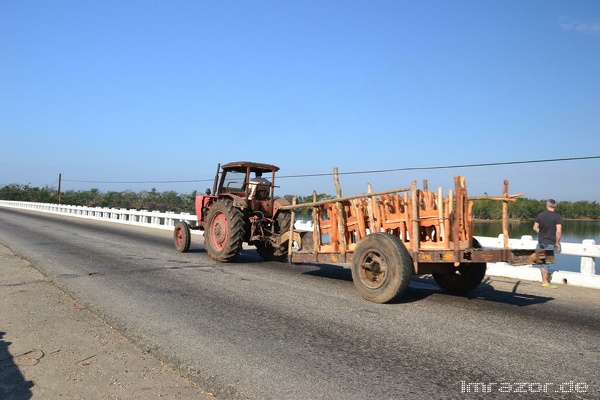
269,330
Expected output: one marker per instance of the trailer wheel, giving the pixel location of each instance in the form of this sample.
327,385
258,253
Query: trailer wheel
224,231
464,278
381,267
182,237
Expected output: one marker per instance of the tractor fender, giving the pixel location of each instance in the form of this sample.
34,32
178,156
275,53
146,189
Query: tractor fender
278,203
238,201
202,205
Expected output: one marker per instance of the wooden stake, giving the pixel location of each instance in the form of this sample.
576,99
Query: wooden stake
316,228
505,215
291,238
414,233
371,204
448,214
457,216
340,211
440,206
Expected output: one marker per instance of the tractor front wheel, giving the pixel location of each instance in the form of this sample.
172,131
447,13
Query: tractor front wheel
182,237
224,231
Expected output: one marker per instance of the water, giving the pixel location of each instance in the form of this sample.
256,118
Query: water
573,232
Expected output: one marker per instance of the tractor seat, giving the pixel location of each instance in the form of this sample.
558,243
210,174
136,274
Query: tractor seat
262,192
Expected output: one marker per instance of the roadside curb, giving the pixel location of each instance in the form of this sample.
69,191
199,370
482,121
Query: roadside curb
51,347
531,273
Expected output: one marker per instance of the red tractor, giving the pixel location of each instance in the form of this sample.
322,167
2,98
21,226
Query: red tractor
241,208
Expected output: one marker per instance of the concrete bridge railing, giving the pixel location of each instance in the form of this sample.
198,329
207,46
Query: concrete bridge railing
588,250
151,219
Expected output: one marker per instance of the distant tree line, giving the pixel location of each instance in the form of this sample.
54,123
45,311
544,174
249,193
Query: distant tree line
306,212
528,209
520,209
144,200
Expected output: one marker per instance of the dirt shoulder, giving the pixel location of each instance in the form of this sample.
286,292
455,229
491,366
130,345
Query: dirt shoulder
53,348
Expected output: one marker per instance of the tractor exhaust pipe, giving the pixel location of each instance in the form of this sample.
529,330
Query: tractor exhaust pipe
216,179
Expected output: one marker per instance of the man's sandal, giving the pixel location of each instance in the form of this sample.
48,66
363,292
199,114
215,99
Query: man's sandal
549,285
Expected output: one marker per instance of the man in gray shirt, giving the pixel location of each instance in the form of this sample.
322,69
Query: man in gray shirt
548,225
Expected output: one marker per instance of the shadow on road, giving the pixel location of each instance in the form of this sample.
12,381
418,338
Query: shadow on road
330,271
485,291
422,287
197,250
13,384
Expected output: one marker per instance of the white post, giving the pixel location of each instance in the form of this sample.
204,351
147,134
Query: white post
155,219
144,217
588,264
169,221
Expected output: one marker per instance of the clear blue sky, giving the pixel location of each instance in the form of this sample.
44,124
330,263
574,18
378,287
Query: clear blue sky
129,91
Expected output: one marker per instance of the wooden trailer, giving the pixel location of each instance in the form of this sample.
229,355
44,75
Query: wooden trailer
391,235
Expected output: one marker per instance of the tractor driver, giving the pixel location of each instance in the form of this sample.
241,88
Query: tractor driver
255,182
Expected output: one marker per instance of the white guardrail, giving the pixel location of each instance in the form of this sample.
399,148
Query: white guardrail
587,250
150,219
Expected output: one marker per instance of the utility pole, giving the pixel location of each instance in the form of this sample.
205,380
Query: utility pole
59,183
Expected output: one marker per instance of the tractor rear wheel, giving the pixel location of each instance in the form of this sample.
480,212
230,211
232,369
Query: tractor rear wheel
224,231
381,267
182,237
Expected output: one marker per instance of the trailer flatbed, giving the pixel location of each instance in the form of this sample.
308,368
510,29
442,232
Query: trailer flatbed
391,235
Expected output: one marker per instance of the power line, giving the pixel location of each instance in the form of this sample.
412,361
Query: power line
447,167
185,181
377,171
